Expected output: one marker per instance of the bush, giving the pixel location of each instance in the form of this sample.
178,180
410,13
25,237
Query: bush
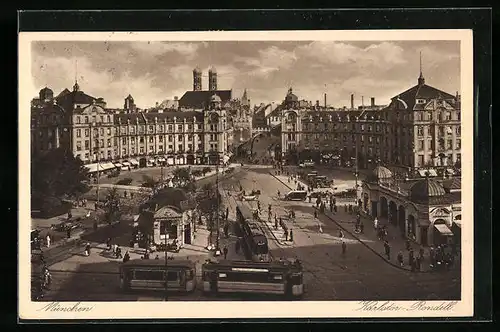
205,170
124,182
49,206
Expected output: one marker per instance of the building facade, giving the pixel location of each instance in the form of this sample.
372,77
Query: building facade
419,129
94,133
428,211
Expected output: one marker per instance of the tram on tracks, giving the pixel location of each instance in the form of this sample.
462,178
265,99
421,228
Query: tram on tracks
254,239
279,277
151,274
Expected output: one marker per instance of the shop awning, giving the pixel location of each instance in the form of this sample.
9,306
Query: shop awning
134,162
161,159
125,163
92,168
118,165
107,166
443,229
151,161
423,172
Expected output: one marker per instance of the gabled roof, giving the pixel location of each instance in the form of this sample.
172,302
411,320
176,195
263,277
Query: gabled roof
201,99
422,91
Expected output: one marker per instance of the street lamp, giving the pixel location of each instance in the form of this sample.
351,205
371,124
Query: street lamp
356,159
166,261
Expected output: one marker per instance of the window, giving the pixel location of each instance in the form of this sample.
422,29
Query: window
170,138
190,138
170,147
370,139
151,148
109,118
151,139
170,127
362,127
78,133
420,145
86,119
420,160
161,129
362,138
77,119
199,126
199,147
124,151
179,147
102,118
457,131
93,118
124,140
160,139
132,140
141,149
109,142
87,155
449,146
458,116
109,154
420,131
458,143
190,127
78,145
102,143
369,128
109,131
190,147
429,116
141,139
377,140
160,147
132,130
179,127
151,129
429,144
441,131
101,131
87,145
179,137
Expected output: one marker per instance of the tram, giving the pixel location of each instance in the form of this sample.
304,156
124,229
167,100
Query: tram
254,238
146,274
281,277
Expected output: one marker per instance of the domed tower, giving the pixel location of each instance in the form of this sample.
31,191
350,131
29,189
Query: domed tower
215,102
425,190
212,79
46,95
197,79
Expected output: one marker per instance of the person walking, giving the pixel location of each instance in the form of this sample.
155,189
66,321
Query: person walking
361,228
291,235
344,248
108,243
375,223
400,258
68,233
286,235
387,250
48,240
315,213
126,257
341,234
225,250
275,222
87,249
226,230
335,208
411,256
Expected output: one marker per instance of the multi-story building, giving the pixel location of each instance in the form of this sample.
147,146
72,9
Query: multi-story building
94,133
420,128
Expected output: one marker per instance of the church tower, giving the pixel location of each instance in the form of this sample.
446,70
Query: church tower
421,79
197,79
212,79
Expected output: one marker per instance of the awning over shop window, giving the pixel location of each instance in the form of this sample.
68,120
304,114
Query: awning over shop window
134,162
92,168
125,163
443,229
108,166
161,159
423,172
118,165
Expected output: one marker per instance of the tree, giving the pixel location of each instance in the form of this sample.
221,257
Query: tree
112,206
58,173
180,177
149,182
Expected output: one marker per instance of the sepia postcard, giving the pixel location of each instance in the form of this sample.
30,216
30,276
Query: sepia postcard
263,174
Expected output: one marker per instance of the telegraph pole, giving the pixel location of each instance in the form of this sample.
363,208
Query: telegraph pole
356,160
166,261
217,248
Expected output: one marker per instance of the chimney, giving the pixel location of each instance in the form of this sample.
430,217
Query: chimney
325,99
352,101
317,103
176,98
373,101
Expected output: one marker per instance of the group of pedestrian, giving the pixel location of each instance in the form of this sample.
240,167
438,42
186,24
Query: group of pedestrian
114,248
80,202
441,256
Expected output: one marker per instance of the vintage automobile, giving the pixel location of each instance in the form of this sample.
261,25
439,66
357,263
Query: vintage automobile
67,225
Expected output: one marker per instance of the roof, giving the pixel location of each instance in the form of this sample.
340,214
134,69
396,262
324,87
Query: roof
422,91
201,99
424,189
159,262
168,197
67,100
453,183
160,117
63,92
381,172
167,212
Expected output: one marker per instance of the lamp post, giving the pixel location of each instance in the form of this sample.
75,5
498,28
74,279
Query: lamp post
217,248
166,262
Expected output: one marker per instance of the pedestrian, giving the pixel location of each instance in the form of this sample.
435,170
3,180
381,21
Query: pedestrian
226,230
335,208
118,252
341,234
388,251
157,257
126,257
115,246
48,241
421,254
345,208
309,198
315,213
344,248
417,263
275,222
361,228
68,233
331,207
146,254
400,258
334,201
108,243
225,252
237,246
87,249
286,235
70,215
410,256
291,235
375,223
279,194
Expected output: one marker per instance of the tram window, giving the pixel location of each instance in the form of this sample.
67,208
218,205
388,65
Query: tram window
222,275
189,274
252,277
172,276
148,275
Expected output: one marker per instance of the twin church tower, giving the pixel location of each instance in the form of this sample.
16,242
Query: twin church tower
197,79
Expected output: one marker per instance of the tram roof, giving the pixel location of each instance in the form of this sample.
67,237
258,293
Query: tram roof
159,262
251,264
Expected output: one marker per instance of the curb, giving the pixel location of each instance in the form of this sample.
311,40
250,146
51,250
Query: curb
358,239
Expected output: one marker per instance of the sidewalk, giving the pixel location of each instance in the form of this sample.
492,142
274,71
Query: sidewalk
369,238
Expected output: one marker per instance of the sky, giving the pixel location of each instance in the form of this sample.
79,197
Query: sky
155,71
